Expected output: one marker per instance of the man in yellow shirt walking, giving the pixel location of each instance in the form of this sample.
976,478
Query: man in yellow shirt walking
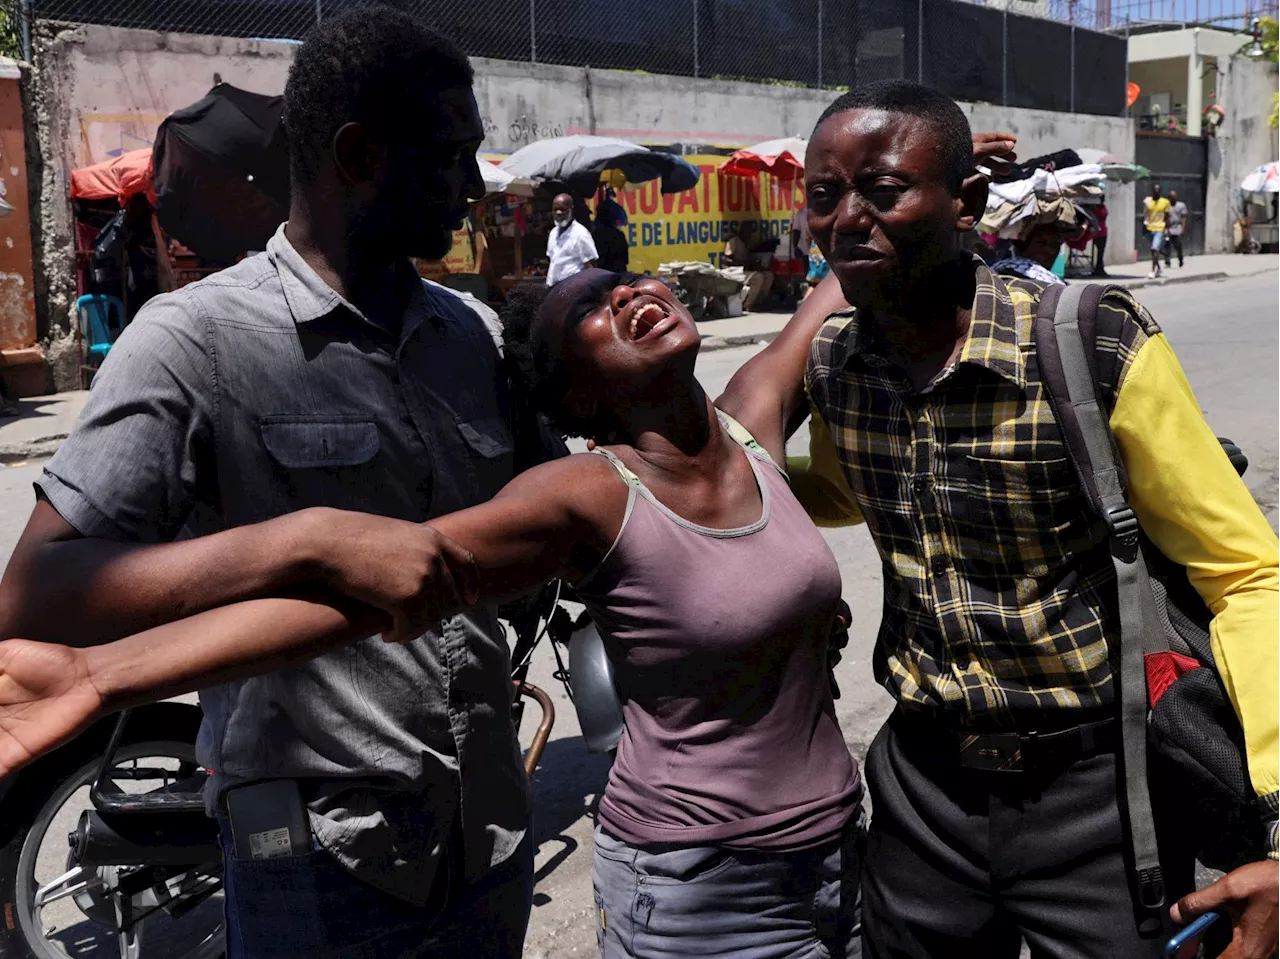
932,424
1153,221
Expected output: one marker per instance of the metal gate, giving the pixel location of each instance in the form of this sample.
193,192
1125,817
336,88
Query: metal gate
1180,164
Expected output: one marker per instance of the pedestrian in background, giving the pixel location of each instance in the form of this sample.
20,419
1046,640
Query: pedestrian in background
1100,240
1034,255
818,269
570,248
740,251
800,238
1175,225
612,249
1154,222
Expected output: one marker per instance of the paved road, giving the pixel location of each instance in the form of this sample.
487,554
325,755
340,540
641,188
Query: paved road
1226,336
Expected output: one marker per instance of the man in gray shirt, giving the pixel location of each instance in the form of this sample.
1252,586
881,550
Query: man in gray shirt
323,372
1175,224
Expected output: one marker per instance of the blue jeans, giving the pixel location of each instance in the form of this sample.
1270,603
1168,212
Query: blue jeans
309,907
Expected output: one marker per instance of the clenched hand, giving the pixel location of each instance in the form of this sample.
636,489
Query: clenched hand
46,697
415,574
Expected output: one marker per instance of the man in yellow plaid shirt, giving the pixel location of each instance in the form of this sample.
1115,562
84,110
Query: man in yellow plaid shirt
930,423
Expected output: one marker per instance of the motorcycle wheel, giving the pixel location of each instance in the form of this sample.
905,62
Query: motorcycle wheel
166,732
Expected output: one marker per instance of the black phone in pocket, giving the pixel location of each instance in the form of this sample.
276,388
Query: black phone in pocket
268,820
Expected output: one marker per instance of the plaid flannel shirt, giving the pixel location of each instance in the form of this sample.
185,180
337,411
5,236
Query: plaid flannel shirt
999,593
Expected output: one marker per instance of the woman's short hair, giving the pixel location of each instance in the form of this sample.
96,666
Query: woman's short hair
537,369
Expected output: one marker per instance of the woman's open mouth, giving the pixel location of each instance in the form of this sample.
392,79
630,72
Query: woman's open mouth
650,320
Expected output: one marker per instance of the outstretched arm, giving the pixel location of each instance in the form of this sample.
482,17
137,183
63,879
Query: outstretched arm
557,519
767,394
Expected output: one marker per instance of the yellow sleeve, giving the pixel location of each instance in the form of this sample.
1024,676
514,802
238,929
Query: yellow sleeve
1201,515
818,479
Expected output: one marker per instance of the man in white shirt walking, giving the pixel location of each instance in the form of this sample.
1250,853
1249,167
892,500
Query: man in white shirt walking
570,247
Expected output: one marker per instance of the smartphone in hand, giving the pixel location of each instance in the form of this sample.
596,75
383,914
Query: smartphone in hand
1186,942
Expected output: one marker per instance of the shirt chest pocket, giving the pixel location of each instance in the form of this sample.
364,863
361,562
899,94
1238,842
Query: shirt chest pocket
323,460
1020,517
491,453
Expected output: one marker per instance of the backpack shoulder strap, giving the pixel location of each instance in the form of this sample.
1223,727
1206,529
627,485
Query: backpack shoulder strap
1074,363
1065,333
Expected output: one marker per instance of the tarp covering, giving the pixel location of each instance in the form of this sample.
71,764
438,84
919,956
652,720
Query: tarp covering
120,178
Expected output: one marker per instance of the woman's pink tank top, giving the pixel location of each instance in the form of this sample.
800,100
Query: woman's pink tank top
719,640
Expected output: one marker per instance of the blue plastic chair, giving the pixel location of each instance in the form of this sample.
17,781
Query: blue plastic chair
101,319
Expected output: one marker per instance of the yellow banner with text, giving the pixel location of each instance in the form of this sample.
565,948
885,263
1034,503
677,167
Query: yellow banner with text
696,224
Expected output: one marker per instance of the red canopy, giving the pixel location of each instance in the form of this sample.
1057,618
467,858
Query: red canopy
121,178
782,158
746,163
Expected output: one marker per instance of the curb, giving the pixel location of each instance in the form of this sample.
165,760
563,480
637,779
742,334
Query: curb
41,448
711,343
1171,280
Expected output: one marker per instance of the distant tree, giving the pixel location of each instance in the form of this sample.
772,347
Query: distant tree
10,42
1270,40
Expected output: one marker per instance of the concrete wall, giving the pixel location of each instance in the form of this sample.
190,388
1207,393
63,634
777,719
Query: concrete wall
96,92
99,91
19,360
521,102
1170,77
1243,142
1191,41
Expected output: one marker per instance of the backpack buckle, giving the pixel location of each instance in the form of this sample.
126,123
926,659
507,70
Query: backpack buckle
1122,522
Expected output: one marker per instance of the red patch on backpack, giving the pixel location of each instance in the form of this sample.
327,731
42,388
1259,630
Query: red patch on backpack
1163,669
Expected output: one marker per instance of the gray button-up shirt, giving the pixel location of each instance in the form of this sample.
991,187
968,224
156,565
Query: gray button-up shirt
258,391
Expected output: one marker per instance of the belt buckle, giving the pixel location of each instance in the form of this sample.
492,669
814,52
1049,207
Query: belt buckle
992,752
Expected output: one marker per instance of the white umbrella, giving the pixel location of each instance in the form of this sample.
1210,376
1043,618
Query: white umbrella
498,180
1100,157
1265,179
580,159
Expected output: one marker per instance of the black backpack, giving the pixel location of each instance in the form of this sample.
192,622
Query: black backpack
1174,709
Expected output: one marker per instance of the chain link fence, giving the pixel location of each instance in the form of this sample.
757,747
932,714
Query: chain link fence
977,51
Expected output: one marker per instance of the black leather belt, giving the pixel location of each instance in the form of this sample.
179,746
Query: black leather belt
1016,751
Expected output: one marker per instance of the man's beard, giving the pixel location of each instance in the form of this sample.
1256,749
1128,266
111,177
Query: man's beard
430,243
425,232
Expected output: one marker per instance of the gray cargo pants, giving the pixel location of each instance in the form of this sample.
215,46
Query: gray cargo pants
710,901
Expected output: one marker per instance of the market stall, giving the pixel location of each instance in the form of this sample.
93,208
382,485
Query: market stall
782,161
112,203
487,245
1259,224
578,165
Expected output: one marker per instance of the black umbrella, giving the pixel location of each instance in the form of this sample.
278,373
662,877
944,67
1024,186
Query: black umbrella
222,173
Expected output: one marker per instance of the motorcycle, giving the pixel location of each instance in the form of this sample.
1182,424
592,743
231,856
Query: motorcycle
141,866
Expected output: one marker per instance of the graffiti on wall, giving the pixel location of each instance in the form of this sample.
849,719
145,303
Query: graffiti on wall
500,137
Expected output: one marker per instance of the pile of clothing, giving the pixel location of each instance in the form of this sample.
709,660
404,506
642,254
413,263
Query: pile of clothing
709,293
1041,191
